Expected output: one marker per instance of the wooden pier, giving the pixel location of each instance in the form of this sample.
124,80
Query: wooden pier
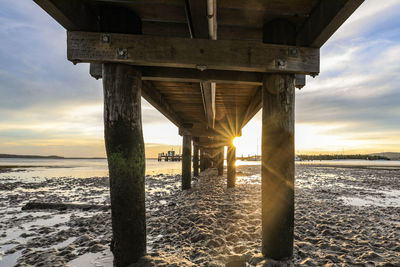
169,156
209,66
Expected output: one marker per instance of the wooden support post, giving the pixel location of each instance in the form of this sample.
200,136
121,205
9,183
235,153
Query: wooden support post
220,163
208,159
126,161
202,160
278,167
277,148
231,168
186,162
195,160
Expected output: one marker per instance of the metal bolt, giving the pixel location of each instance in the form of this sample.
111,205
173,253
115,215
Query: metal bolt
293,52
280,63
105,38
122,53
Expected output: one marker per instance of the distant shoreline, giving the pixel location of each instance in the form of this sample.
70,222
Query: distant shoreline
12,156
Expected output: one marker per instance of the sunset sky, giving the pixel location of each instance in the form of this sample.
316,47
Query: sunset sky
49,106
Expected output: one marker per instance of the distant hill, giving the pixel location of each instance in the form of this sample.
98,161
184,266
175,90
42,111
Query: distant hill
389,155
341,156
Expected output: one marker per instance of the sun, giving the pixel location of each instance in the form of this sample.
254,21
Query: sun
236,141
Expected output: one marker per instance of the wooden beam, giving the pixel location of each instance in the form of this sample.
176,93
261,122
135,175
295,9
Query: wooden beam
191,75
324,20
254,106
154,97
208,96
199,132
198,12
190,53
96,70
72,15
225,32
299,81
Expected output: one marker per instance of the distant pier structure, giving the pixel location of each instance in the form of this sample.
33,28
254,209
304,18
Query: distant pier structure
169,156
209,66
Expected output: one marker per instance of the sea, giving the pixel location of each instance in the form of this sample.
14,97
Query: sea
38,169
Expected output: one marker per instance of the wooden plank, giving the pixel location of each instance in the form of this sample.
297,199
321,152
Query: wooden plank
324,20
157,100
190,53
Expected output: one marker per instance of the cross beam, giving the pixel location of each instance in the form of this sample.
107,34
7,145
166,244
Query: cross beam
202,54
191,75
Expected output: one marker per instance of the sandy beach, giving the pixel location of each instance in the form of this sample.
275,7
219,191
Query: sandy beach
344,217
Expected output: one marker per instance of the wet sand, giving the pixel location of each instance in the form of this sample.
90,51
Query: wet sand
344,217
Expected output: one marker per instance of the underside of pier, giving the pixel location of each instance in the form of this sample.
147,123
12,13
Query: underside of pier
209,66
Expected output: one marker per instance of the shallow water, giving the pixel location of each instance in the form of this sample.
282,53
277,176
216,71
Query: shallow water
82,168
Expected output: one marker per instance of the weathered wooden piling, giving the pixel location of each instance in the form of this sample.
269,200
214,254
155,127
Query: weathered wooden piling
202,166
220,161
186,162
206,158
195,160
277,175
126,161
231,168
